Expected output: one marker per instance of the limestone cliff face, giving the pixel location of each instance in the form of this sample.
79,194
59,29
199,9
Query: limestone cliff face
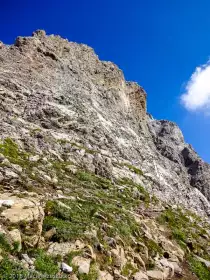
63,90
88,176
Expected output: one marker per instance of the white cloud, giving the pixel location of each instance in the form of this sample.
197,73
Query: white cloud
197,90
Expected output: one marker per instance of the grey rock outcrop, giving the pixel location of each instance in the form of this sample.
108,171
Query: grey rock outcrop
57,96
170,143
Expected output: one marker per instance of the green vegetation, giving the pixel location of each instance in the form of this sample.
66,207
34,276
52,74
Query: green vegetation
153,247
4,244
63,141
199,269
150,265
99,203
60,167
94,179
174,218
191,234
45,268
96,200
11,151
16,156
132,168
128,270
131,185
179,235
72,218
177,222
45,263
7,247
12,270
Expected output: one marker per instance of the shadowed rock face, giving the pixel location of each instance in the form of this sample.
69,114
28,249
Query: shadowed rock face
170,143
53,90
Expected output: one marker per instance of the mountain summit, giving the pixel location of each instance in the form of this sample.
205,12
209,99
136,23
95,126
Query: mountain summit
88,178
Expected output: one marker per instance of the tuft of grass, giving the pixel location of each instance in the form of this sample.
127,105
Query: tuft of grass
45,268
199,269
133,168
45,264
9,148
85,176
11,270
4,244
17,156
96,180
11,151
153,247
63,141
129,183
179,235
128,270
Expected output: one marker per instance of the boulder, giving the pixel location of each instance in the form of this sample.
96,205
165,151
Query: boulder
104,275
167,267
64,248
27,259
22,209
9,174
118,256
26,212
66,268
15,235
177,268
140,276
82,263
138,260
6,203
73,277
155,275
49,234
171,248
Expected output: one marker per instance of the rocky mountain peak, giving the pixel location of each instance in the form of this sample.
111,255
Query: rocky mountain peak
88,178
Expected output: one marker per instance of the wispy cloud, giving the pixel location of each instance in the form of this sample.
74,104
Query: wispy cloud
197,90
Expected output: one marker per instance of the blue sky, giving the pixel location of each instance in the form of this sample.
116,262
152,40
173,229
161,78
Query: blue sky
159,44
